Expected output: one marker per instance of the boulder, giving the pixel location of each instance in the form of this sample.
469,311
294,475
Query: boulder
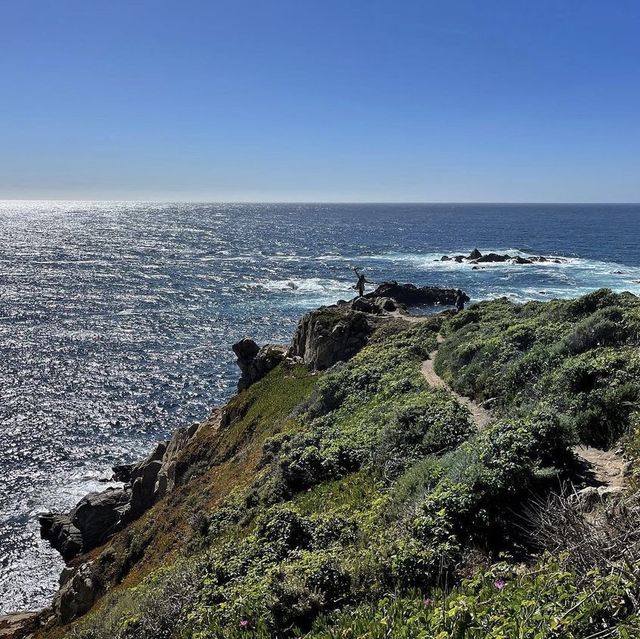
475,254
58,530
591,496
255,361
367,305
521,260
88,525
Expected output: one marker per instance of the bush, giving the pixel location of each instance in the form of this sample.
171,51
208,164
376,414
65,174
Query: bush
429,423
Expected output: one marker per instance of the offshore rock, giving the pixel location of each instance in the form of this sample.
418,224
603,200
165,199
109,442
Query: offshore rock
255,361
476,257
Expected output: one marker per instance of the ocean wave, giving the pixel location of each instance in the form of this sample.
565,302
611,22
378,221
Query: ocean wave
304,286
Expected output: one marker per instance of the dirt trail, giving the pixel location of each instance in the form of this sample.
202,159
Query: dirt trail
607,466
481,416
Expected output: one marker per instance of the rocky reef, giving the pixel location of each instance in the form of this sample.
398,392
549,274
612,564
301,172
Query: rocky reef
476,257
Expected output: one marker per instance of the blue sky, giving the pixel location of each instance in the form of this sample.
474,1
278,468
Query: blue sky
323,100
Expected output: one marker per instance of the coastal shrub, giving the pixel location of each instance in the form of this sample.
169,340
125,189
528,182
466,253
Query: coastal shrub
302,463
360,508
602,328
283,525
430,423
574,355
538,602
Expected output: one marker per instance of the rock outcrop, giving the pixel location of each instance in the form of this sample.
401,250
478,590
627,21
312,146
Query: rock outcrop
90,523
19,625
411,295
97,516
79,589
324,337
334,334
255,361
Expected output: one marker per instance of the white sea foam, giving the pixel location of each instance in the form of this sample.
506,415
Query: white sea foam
306,286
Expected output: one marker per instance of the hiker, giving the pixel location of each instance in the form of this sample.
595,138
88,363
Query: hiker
460,300
359,285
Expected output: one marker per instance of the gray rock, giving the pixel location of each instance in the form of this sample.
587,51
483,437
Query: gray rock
19,625
411,295
332,334
255,361
475,254
366,305
590,497
97,516
79,588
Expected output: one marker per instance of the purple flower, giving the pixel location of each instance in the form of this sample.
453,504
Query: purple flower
427,601
244,623
499,583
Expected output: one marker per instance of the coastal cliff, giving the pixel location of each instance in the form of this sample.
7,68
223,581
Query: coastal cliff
349,488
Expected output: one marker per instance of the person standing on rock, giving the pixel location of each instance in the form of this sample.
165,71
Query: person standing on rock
359,285
460,300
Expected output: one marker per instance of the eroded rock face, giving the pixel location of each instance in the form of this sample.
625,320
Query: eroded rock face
79,588
255,361
333,334
89,524
97,516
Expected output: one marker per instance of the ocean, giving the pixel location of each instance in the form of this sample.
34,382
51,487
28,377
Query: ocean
116,319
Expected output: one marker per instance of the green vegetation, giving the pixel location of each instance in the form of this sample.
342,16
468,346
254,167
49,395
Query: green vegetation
362,503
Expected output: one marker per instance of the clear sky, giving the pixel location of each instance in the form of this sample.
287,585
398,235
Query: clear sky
320,100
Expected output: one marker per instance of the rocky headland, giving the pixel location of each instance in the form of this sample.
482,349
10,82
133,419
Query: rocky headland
422,437
323,338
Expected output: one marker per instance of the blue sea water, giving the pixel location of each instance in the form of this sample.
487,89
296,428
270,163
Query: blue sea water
116,319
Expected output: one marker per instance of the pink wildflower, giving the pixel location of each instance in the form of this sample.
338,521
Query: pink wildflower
244,623
499,583
427,601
